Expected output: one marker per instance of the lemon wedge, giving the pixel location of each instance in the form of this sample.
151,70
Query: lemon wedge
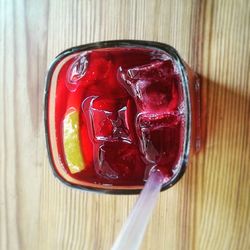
71,142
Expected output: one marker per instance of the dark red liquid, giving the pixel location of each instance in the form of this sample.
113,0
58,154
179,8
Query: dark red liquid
130,118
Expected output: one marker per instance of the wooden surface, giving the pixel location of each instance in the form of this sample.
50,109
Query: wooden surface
209,208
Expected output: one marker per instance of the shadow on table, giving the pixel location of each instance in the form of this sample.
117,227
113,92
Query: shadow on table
225,112
219,174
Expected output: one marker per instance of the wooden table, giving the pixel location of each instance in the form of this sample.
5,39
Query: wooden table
209,208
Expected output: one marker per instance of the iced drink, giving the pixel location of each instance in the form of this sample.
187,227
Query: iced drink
116,110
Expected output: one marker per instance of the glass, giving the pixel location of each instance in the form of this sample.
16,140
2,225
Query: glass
108,128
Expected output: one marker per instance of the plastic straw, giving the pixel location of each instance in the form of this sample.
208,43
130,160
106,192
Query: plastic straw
134,228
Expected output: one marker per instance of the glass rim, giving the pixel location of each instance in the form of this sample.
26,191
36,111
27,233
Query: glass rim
121,43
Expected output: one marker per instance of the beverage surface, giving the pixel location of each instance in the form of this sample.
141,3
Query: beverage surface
118,114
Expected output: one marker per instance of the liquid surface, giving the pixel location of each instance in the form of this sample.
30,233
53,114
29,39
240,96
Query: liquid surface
122,107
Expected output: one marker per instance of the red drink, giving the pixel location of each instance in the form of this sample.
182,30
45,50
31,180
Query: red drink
115,113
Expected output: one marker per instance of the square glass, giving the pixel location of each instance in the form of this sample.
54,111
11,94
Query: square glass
108,128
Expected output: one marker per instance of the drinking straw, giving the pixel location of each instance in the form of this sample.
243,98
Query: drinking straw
134,228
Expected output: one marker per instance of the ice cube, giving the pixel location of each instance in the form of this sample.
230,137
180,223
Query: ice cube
157,70
159,55
107,119
76,71
160,137
116,159
154,86
102,164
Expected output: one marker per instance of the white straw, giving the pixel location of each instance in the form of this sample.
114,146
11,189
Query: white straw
133,230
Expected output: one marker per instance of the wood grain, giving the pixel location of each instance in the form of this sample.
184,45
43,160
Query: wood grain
209,208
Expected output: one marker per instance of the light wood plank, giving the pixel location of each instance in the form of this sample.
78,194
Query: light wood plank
209,208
